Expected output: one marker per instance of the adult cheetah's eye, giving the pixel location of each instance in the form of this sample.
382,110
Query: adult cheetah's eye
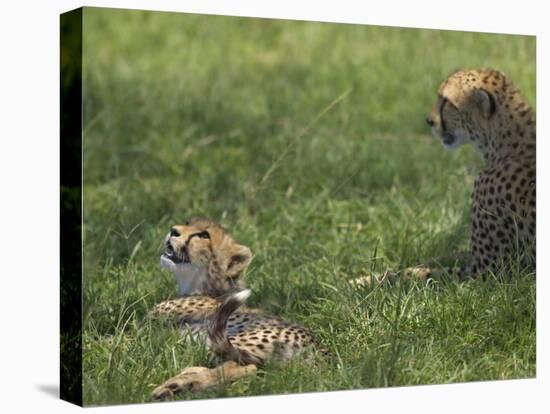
445,104
174,233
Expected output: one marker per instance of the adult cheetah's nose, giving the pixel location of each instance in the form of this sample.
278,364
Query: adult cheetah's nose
429,121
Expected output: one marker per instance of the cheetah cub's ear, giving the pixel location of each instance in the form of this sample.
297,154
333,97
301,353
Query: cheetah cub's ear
485,102
241,256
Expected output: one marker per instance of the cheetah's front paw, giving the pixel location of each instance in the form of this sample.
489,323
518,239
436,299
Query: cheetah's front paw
196,379
416,273
190,379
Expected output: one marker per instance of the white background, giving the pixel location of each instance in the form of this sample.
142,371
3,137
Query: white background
29,223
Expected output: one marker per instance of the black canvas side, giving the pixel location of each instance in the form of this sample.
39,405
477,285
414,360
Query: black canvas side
71,207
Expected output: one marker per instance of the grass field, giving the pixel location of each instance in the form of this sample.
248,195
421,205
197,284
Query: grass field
308,142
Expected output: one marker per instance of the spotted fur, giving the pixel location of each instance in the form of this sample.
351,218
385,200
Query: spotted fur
484,108
209,267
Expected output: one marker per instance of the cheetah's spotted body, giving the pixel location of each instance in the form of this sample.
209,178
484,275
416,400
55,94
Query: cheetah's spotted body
208,265
484,108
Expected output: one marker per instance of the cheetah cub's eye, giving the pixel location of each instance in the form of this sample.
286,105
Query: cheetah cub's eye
204,235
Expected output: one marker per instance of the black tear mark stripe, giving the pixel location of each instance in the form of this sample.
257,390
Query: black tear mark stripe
443,127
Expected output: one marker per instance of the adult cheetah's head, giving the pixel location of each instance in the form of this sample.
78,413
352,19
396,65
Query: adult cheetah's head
204,258
465,105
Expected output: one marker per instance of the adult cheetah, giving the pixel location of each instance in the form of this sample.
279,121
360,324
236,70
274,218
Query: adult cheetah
208,266
484,108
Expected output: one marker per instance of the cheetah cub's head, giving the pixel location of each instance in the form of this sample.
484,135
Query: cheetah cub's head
465,105
204,258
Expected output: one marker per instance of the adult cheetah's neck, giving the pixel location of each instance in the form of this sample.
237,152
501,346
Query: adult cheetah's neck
512,132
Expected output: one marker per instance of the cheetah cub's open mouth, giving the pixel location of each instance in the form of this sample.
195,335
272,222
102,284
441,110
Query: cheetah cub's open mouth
171,255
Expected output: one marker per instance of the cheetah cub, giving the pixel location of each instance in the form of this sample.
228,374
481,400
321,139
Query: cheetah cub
208,266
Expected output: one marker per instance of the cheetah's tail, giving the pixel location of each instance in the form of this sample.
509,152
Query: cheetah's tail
217,334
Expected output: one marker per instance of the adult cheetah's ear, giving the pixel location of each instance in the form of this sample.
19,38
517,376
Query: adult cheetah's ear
485,101
241,256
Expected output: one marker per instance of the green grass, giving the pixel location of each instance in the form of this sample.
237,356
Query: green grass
308,142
